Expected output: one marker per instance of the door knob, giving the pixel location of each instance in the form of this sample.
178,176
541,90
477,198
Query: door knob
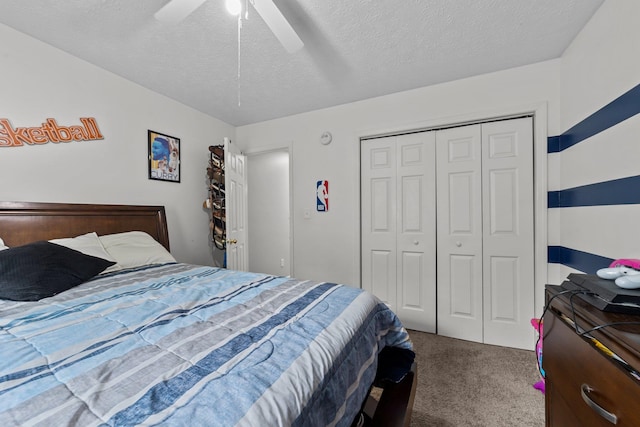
458,244
415,242
232,241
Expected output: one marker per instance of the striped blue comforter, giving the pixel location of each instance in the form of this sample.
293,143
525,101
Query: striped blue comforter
185,345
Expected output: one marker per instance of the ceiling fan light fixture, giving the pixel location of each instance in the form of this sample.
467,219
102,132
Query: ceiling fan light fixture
234,7
175,11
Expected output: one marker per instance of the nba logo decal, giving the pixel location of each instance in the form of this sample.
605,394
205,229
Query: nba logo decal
322,199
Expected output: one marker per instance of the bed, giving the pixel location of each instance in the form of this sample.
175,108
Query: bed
151,341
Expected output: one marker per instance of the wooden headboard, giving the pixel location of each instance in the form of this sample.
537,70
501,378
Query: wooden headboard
25,222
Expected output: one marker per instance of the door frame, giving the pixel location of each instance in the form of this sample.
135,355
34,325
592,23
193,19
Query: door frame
288,148
539,113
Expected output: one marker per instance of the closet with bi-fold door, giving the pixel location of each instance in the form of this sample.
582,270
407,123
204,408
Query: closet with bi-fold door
447,232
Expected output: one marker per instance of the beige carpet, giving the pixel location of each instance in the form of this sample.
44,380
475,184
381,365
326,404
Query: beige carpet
462,383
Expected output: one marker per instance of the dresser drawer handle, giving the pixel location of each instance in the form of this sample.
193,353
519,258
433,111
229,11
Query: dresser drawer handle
585,390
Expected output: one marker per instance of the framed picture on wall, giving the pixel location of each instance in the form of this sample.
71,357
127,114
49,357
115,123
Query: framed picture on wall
164,157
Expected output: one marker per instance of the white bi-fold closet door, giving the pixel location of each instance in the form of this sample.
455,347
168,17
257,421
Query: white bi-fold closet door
398,225
485,241
474,185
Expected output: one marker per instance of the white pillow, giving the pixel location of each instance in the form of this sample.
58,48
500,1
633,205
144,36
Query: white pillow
2,246
134,249
88,244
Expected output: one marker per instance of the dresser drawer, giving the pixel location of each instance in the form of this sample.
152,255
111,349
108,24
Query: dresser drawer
577,372
558,412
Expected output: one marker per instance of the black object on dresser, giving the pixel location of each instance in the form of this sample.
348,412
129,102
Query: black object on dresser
592,372
604,294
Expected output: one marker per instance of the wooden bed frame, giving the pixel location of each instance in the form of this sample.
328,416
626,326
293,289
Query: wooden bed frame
26,222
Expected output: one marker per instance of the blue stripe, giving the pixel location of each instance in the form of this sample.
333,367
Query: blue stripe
582,261
553,144
623,191
46,370
553,199
164,394
619,110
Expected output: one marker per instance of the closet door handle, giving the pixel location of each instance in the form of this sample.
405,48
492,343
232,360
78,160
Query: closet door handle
585,390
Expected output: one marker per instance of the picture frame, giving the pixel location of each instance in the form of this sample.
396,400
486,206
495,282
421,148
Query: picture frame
164,156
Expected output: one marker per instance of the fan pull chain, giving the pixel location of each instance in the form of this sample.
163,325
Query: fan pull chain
246,17
239,38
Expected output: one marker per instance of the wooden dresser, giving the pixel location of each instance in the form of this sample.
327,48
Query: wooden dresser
584,385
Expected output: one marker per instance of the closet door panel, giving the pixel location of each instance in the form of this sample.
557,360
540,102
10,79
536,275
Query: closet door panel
412,195
459,239
504,296
382,204
416,231
412,272
461,210
508,232
462,290
382,265
378,216
503,193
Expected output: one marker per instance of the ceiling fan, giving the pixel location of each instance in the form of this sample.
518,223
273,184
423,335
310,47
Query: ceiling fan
177,10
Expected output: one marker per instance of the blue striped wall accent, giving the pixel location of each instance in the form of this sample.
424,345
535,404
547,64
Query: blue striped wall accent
582,261
621,191
625,106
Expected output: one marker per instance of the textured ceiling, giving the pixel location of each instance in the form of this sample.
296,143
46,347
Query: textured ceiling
354,49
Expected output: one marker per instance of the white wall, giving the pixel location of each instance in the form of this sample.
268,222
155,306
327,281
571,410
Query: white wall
601,64
38,81
603,61
327,245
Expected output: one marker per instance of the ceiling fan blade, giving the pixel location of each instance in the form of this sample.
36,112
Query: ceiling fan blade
278,24
176,10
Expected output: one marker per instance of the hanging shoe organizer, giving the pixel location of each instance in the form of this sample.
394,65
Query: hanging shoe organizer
215,173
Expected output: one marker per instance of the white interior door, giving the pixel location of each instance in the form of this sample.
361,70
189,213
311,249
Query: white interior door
398,225
459,210
236,206
508,241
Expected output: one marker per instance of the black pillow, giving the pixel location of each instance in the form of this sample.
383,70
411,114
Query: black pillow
42,269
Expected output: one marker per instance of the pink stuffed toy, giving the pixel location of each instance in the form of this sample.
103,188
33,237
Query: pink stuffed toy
626,262
537,325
